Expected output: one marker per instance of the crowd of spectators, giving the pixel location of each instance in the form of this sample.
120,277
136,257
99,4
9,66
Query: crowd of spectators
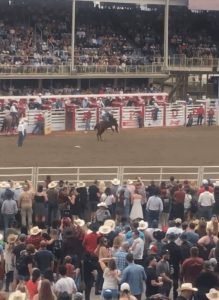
124,239
40,34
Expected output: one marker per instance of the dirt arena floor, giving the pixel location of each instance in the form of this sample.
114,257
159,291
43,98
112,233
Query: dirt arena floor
133,147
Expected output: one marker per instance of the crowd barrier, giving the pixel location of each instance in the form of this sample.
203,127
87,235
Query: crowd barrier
74,174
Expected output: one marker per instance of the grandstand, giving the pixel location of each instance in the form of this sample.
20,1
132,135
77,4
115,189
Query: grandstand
85,45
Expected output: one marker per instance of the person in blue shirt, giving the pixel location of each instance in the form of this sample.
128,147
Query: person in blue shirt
134,275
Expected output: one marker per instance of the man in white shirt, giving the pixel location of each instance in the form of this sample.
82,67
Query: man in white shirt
154,207
65,284
21,133
206,202
137,248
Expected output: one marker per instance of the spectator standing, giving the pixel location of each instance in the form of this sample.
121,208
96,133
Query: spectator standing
163,270
154,207
134,275
206,202
192,266
111,276
44,258
45,291
32,284
9,261
94,196
120,256
137,248
39,206
153,282
178,203
65,284
53,209
9,209
25,203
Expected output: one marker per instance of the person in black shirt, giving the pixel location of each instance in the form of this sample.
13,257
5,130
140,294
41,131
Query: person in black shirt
152,283
175,259
94,195
44,258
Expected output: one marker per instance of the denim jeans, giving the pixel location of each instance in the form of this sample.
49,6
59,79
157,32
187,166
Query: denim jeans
205,212
21,138
8,220
153,215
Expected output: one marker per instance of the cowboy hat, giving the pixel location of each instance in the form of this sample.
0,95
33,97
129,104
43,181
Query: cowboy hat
187,287
213,294
142,225
17,295
102,204
52,184
115,181
129,181
110,223
35,230
93,227
178,221
11,238
80,184
17,185
4,185
104,229
79,222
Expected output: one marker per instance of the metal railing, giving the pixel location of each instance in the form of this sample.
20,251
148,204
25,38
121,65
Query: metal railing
107,173
176,62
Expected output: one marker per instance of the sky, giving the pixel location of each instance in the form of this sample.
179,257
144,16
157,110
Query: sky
204,4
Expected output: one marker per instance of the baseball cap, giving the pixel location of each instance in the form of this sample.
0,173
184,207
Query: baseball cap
125,287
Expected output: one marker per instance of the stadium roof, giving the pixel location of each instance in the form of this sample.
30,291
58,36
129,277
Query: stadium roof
145,2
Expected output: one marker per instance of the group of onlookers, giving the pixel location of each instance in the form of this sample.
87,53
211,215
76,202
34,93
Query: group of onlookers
157,240
134,37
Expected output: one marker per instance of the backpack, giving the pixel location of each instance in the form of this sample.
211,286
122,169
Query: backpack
57,248
21,264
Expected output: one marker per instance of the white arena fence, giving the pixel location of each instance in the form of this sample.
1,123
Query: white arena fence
72,118
107,173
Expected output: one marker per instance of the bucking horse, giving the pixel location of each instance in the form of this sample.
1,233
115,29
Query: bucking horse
101,126
10,123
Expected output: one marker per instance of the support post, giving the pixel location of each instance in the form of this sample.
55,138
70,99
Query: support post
73,37
166,34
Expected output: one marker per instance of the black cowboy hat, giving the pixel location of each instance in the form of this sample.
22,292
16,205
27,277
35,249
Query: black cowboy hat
158,235
93,227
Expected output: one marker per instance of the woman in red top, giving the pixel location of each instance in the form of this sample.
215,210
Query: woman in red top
32,284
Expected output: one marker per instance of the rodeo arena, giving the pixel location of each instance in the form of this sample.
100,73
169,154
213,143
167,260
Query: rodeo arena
109,138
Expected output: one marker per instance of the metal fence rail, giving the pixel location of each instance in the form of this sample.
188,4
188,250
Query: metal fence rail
157,66
74,174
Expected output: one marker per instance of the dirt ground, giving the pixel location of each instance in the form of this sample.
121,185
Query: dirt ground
133,147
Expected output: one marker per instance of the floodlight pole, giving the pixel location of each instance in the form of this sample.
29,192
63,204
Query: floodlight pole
166,34
73,37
